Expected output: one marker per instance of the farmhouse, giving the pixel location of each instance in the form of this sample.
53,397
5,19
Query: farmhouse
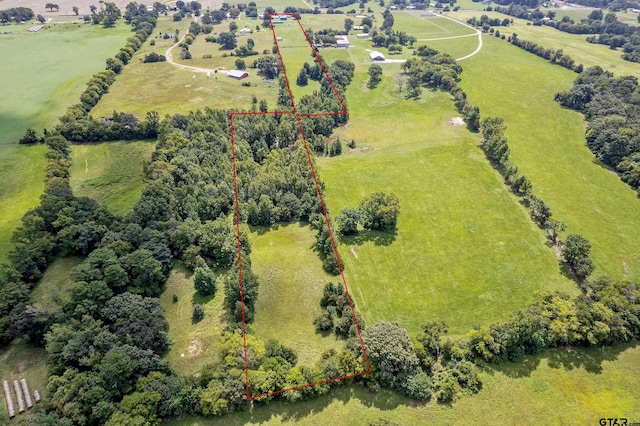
342,41
376,56
238,74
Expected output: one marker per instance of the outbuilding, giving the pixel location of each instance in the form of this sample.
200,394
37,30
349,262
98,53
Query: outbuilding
244,31
376,56
238,74
342,41
362,36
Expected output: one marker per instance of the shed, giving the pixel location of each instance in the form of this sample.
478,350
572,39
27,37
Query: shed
238,74
342,41
357,27
376,56
362,36
244,31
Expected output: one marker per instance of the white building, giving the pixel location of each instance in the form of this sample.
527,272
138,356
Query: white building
376,56
342,41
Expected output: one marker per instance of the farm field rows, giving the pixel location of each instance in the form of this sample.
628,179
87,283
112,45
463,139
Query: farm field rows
36,99
549,148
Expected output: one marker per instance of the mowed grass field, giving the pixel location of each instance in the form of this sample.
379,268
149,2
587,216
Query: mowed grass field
291,282
465,252
43,73
547,143
168,89
193,345
574,45
111,173
552,388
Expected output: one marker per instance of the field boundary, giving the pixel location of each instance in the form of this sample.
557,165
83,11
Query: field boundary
298,117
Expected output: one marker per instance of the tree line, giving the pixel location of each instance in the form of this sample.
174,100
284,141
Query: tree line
611,107
17,14
610,30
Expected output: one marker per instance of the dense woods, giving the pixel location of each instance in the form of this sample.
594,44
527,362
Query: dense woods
612,109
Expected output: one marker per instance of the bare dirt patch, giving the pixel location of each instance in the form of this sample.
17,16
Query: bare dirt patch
195,347
353,250
456,122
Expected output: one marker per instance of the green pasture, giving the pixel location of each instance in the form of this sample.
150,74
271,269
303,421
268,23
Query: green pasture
111,173
547,143
552,388
574,45
44,73
51,292
167,89
193,345
21,360
295,51
428,27
465,251
291,282
22,178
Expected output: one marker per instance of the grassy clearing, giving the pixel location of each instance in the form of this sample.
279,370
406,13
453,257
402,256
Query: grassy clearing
553,388
22,174
574,45
167,89
17,361
547,143
291,283
295,51
467,251
51,291
34,96
428,27
193,345
111,173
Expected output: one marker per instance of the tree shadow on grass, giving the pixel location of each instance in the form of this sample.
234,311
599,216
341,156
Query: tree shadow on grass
567,358
379,238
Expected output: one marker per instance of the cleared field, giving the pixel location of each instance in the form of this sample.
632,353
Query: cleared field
428,27
34,96
51,291
465,251
574,45
168,89
111,173
295,51
552,388
20,360
291,282
193,345
547,143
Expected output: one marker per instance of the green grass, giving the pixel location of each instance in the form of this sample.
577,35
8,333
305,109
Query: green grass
574,45
428,27
22,178
17,361
465,252
44,72
552,388
291,282
51,291
193,345
547,143
167,89
111,173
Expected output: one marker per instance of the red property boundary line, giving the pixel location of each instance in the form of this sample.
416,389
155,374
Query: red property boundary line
293,111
